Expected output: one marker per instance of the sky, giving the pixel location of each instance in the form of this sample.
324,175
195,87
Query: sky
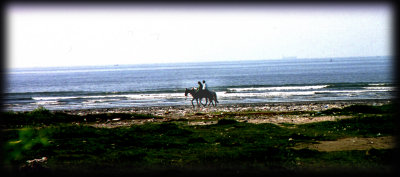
82,35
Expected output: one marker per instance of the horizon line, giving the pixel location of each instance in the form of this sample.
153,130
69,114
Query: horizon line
292,58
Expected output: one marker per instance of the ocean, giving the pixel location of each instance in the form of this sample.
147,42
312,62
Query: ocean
257,81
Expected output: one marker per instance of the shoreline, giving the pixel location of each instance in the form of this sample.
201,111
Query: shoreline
266,106
276,113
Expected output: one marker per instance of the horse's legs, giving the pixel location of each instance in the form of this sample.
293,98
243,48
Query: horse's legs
200,102
192,103
206,102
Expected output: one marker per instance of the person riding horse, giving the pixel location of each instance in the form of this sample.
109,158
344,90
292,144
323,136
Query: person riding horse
204,85
200,88
210,96
202,92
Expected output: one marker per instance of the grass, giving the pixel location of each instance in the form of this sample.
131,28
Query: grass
228,144
358,109
42,116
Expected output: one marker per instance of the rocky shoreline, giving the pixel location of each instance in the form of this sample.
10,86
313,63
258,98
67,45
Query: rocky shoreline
265,113
273,107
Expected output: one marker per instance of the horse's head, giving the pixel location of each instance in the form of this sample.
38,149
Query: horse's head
191,91
186,92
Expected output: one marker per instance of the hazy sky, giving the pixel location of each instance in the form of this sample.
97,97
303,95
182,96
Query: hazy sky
72,35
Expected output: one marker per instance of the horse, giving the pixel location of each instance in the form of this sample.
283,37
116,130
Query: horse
194,95
208,95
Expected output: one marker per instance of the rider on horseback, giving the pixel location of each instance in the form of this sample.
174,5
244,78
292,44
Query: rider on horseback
200,88
204,85
202,92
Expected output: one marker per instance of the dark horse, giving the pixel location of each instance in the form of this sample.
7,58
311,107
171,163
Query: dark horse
208,95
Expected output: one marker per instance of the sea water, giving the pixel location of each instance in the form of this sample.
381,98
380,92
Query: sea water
258,81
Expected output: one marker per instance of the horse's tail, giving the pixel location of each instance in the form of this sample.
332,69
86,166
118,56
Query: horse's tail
215,96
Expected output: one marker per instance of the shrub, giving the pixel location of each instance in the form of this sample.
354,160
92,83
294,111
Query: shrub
226,121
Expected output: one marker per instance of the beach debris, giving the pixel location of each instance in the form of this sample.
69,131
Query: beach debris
35,165
41,160
116,119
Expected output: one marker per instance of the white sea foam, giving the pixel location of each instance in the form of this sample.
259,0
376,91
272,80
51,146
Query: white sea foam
52,98
155,96
226,95
264,94
101,98
313,87
46,103
377,84
351,91
162,98
380,88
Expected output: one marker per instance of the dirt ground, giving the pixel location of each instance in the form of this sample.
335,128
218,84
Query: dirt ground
385,142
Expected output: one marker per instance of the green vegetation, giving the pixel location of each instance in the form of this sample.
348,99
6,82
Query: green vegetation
42,116
358,109
228,144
